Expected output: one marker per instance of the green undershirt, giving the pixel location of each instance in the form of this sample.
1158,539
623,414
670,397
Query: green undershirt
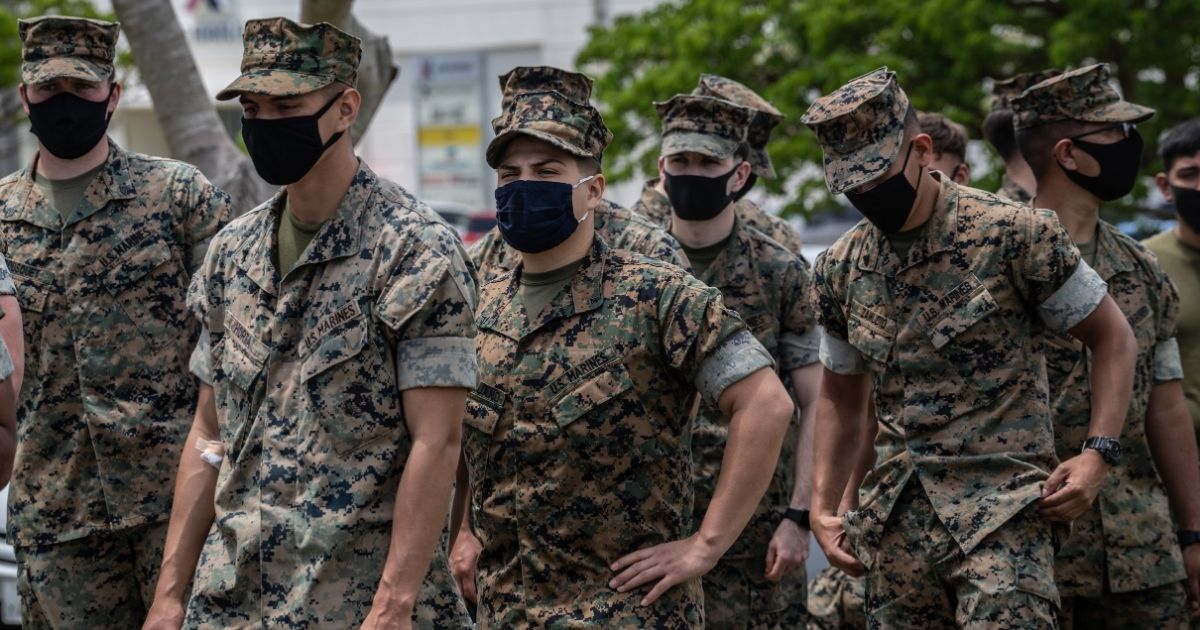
702,257
65,194
539,289
292,237
1087,251
902,242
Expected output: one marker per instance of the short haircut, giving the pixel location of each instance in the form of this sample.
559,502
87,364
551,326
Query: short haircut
1037,143
949,137
588,166
998,130
1182,140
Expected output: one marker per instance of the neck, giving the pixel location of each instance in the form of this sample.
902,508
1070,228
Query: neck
1019,172
318,194
1077,210
1187,235
567,252
697,234
926,198
51,166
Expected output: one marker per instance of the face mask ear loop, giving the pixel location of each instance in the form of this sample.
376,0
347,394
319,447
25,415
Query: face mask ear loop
577,185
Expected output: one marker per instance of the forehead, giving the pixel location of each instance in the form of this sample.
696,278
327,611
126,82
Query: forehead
528,150
1186,161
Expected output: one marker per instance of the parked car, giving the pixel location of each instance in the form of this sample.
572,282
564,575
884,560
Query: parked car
478,225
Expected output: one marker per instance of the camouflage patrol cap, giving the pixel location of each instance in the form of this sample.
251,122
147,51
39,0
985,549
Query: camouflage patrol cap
1084,94
284,58
712,126
55,47
765,119
551,117
860,127
572,85
1005,90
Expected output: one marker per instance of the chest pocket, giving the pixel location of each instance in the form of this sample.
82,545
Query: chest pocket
149,287
957,320
484,405
591,394
871,332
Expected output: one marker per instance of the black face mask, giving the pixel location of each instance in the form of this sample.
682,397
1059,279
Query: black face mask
534,216
1119,164
69,125
889,204
1187,206
696,197
284,150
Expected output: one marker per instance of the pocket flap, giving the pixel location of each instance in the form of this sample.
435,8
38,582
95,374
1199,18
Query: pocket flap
592,393
243,356
960,318
31,296
327,346
136,265
482,412
870,332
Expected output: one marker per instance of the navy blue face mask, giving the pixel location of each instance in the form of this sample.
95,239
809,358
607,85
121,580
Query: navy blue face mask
534,216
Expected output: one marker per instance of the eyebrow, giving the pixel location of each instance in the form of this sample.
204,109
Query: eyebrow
539,163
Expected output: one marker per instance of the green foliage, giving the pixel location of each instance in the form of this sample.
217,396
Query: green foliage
946,53
10,42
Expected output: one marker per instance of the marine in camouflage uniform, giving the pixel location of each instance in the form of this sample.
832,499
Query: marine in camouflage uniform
619,227
308,367
836,601
1121,567
654,204
998,128
768,287
578,433
107,400
946,523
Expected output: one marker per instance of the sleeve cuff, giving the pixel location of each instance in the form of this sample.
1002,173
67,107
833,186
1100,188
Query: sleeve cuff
840,357
1077,298
200,363
6,362
7,286
797,351
436,362
738,357
1168,366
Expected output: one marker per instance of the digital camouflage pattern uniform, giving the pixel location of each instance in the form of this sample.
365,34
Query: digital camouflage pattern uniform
308,369
619,227
107,400
578,438
768,287
1003,92
1121,566
836,601
947,523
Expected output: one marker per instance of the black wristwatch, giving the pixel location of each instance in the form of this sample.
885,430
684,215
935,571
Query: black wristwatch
799,517
1188,537
1109,448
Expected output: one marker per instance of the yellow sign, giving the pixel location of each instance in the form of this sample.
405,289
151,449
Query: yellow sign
449,135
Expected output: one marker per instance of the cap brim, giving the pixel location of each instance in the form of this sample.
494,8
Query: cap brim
274,83
1118,112
43,70
499,144
760,164
695,142
849,171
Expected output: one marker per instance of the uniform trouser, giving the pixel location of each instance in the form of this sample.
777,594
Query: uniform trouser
100,581
836,601
737,596
1164,607
921,578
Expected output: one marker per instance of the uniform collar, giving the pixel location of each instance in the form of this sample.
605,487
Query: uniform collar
733,264
1109,258
112,183
507,316
340,236
655,205
939,234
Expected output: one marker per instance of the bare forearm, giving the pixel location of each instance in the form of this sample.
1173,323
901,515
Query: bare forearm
1107,334
14,338
841,418
462,499
807,383
865,461
1172,443
8,430
420,511
192,514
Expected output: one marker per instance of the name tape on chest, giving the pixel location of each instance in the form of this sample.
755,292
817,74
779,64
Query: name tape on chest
344,314
952,299
119,250
579,372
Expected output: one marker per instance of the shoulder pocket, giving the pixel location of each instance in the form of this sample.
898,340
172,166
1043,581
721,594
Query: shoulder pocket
958,319
591,394
870,332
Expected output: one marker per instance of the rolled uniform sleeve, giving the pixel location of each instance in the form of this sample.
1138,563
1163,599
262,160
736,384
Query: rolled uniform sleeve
200,363
1168,364
6,362
836,353
7,286
430,306
707,343
1051,275
800,341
